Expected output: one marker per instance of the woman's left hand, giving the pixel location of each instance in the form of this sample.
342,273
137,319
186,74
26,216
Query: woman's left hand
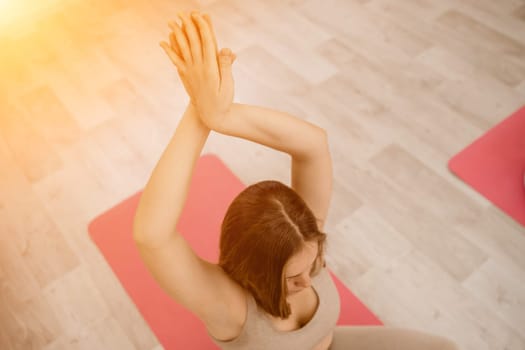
206,75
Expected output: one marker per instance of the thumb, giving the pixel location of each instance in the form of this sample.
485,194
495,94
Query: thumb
225,61
225,68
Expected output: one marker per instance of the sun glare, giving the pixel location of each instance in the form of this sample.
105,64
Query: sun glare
4,7
9,11
18,15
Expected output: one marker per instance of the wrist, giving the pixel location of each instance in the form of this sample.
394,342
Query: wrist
193,113
214,120
223,121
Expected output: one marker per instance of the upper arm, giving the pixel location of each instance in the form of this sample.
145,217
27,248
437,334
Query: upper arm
201,287
312,178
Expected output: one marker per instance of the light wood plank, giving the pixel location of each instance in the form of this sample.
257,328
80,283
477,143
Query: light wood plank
26,324
465,89
354,241
474,51
443,306
485,12
76,288
429,233
390,88
519,13
489,39
104,334
496,285
29,235
521,91
47,114
84,199
32,152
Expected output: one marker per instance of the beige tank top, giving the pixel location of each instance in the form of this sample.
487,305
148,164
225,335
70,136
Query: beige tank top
258,332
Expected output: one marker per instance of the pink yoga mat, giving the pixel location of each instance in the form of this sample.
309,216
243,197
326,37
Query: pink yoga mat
494,165
212,189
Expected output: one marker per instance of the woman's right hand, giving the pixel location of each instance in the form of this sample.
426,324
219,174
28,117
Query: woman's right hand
205,73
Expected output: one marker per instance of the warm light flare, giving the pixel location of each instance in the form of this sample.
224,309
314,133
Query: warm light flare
4,4
18,15
9,9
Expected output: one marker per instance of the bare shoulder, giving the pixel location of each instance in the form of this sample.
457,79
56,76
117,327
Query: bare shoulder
202,287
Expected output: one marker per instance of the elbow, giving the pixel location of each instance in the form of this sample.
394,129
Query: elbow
322,145
139,235
315,146
143,239
139,231
323,136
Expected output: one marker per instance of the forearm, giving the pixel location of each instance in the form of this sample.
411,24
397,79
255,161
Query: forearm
272,128
165,193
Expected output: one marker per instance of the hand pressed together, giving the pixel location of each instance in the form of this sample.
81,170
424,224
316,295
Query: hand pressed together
205,73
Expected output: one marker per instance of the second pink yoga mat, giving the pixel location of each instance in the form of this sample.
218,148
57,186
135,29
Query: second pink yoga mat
212,189
494,165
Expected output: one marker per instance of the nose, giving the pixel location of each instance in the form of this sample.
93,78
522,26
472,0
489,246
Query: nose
304,281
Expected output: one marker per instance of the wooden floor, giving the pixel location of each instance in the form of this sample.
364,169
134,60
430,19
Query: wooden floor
88,101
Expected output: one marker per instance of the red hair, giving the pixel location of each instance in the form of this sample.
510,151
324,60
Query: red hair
264,226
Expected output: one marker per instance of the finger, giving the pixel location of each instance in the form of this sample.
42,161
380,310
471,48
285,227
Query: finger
209,53
207,18
173,56
181,42
193,38
174,46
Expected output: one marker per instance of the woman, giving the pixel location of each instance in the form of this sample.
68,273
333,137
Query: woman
270,289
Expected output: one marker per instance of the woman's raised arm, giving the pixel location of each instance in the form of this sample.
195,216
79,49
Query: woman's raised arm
192,49
165,193
306,143
198,285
